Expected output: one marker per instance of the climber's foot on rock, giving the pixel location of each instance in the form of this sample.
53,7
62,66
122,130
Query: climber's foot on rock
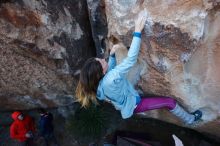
197,114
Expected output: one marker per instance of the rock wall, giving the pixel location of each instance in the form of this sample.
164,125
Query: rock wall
43,45
179,54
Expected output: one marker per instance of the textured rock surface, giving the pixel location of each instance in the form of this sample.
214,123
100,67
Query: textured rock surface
179,55
96,9
43,45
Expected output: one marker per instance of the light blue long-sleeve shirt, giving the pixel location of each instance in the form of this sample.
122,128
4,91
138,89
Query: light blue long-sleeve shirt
115,87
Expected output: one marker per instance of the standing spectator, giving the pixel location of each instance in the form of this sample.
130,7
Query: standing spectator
46,127
22,129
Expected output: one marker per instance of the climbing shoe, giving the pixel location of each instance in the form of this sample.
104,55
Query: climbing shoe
197,114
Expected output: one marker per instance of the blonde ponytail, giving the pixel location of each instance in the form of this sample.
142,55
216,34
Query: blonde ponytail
84,98
90,76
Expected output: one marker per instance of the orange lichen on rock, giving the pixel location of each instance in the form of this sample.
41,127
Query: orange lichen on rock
20,17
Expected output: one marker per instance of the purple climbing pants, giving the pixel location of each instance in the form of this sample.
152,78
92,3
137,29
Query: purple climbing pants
150,103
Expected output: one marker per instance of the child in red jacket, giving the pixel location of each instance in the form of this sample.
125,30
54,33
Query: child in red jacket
22,128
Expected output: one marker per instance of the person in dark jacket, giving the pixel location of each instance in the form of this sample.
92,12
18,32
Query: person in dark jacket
22,129
46,127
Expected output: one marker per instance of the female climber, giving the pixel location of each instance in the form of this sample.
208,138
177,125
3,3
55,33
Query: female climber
107,81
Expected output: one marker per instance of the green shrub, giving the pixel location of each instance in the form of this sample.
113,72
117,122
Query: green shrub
88,123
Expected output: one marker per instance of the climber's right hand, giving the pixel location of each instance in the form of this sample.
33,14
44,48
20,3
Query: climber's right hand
115,48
